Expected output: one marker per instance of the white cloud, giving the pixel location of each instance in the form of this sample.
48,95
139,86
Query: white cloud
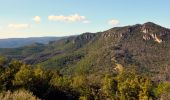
113,22
19,26
70,18
37,18
86,21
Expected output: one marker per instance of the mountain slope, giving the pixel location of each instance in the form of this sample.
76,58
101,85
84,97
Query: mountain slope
144,47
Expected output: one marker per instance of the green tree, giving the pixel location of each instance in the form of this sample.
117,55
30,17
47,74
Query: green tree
163,91
24,76
81,85
8,75
2,61
109,87
134,86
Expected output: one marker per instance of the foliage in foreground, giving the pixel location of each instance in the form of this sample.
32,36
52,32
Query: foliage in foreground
17,95
51,85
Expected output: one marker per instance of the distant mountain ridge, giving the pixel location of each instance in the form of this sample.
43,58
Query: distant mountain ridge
19,42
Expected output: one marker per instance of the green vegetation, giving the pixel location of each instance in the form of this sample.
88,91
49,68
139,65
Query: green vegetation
22,82
123,63
17,95
97,53
163,91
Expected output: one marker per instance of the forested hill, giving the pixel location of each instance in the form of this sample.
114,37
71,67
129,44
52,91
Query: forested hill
143,47
122,63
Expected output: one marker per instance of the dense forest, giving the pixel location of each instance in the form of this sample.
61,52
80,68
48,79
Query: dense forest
122,63
19,81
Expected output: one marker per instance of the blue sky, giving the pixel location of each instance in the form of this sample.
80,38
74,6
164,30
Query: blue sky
36,18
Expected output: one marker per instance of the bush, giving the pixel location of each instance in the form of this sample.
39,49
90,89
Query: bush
18,95
163,91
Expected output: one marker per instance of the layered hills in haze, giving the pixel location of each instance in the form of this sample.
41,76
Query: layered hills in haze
144,47
19,42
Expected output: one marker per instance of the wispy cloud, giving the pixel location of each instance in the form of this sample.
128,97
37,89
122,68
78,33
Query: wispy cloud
37,19
113,22
70,18
19,26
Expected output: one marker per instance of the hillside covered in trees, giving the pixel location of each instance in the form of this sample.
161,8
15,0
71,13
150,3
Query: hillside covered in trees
122,63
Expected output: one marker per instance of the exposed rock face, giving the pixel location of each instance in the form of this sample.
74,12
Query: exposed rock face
83,39
145,30
151,30
146,37
156,38
107,35
118,68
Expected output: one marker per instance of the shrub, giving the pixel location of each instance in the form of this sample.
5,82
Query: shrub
18,95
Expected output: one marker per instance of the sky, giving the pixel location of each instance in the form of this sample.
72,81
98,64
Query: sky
39,18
